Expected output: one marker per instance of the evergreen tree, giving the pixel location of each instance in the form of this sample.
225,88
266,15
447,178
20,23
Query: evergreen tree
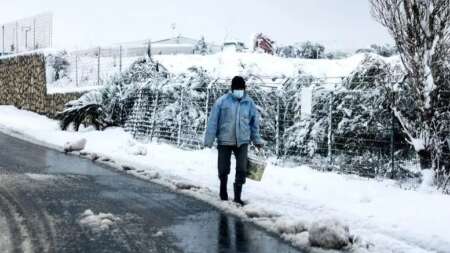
202,47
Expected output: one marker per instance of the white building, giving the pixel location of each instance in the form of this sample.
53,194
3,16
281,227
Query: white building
178,45
175,45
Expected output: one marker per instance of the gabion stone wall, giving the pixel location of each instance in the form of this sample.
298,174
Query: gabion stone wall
23,85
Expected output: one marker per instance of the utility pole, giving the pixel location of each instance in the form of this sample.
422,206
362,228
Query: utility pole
120,58
98,65
34,33
3,39
76,70
149,49
26,29
17,37
392,129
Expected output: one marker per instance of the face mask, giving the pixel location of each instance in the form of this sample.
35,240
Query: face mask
238,93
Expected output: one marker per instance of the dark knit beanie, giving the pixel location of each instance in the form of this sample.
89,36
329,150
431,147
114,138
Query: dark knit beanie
238,83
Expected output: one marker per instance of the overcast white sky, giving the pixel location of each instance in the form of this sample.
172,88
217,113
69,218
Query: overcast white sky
341,24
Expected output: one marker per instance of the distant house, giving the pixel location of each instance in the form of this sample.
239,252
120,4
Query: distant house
175,45
178,45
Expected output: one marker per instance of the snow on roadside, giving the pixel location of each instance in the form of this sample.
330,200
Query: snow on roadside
381,216
40,177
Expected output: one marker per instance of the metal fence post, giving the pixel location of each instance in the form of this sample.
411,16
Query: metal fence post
76,70
277,126
34,33
149,49
206,109
120,58
98,65
17,37
155,106
3,39
180,118
392,130
330,129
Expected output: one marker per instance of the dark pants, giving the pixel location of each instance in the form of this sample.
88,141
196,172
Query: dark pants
224,162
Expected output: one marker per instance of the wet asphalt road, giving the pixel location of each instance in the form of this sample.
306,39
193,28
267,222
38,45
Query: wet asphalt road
44,193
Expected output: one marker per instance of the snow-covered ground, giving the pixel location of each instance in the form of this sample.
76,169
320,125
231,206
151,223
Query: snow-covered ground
227,65
382,216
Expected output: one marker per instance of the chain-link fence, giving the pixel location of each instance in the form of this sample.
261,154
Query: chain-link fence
93,66
353,131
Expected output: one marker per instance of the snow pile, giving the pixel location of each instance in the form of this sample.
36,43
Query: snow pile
427,180
290,225
40,177
97,222
286,201
75,145
135,149
329,234
158,234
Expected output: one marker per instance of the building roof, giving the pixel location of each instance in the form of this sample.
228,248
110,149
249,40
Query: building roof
176,40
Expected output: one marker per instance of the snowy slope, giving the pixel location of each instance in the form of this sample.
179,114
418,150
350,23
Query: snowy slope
384,217
226,65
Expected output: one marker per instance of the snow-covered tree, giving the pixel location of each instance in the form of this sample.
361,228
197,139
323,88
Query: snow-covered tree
288,52
421,31
383,50
336,55
57,66
310,50
113,103
201,47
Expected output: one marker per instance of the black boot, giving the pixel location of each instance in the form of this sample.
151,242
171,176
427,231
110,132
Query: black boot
237,194
223,189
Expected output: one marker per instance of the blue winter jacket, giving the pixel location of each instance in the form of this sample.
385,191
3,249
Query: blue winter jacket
229,110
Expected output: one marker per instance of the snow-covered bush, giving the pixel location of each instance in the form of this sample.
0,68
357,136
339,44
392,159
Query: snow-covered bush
87,110
385,50
329,234
57,66
111,104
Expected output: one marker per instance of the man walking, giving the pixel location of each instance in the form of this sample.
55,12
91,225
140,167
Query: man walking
234,121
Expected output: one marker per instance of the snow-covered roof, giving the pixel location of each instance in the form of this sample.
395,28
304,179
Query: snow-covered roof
176,40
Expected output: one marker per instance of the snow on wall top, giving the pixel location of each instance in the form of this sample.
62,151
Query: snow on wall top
44,52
